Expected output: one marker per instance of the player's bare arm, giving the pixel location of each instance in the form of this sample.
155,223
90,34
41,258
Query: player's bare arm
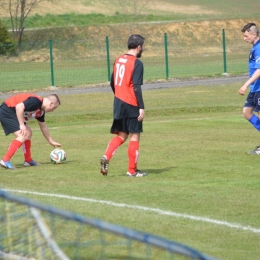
251,80
46,134
19,108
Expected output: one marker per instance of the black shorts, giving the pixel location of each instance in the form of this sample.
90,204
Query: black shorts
127,125
253,100
8,119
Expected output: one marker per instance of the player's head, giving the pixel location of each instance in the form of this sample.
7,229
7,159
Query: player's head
251,33
50,103
136,41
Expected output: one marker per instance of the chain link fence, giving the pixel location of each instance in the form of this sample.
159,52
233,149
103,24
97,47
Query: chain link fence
77,62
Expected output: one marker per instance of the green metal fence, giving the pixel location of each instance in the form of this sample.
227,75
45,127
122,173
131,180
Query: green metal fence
87,62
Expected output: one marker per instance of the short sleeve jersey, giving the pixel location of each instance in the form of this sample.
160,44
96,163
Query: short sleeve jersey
32,106
128,72
254,64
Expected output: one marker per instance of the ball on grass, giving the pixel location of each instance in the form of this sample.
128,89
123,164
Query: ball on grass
58,155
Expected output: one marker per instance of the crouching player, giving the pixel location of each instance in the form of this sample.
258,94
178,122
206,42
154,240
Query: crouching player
15,112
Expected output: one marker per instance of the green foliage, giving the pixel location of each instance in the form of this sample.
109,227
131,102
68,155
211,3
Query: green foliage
3,33
211,10
7,44
72,19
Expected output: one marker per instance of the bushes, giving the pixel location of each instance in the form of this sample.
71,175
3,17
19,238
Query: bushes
7,44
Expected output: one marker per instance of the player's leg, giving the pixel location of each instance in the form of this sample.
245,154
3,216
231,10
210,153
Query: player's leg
110,151
133,152
257,148
248,113
135,129
10,125
117,128
13,147
252,105
114,144
28,161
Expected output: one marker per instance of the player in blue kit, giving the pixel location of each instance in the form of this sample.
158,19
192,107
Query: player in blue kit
252,104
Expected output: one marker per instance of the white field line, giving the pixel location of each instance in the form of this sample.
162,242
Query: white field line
158,211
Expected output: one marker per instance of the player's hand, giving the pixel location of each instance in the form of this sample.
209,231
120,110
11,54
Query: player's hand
141,115
55,144
23,130
242,90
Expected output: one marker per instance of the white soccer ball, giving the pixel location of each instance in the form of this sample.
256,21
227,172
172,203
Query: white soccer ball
58,155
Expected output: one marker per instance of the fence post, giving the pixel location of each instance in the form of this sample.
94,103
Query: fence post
108,58
224,51
51,64
166,55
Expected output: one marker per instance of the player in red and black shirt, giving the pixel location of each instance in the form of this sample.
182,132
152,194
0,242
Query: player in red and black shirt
126,81
15,112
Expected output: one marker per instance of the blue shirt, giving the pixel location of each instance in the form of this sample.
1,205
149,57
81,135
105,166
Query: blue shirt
253,65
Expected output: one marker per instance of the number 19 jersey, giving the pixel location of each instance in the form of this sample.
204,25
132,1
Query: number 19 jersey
128,72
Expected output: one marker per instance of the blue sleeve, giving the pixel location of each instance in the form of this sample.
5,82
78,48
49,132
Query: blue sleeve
257,57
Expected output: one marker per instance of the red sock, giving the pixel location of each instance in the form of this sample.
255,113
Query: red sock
13,147
27,150
112,146
133,154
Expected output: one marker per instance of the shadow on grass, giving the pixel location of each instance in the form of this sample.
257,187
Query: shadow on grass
152,171
159,170
21,166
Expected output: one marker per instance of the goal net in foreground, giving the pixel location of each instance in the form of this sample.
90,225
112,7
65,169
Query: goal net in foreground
30,230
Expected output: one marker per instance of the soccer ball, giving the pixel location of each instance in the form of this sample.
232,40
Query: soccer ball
58,155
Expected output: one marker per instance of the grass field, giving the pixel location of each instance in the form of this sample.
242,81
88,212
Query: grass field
195,47
35,76
195,141
193,147
82,12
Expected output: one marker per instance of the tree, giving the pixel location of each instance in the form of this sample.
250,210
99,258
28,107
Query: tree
19,11
7,45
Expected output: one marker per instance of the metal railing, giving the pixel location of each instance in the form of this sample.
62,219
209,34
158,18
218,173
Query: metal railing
79,62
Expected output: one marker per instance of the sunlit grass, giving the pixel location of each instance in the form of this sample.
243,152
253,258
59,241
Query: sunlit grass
193,147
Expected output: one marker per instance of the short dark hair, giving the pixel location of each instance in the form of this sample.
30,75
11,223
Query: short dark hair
54,98
250,27
134,41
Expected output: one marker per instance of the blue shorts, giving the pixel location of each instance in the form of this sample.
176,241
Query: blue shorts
253,100
127,125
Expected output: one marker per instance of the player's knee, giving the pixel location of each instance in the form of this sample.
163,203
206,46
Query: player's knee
28,133
25,136
246,116
124,138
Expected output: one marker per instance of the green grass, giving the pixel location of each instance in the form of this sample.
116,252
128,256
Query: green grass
80,52
35,76
93,19
193,147
220,10
72,19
